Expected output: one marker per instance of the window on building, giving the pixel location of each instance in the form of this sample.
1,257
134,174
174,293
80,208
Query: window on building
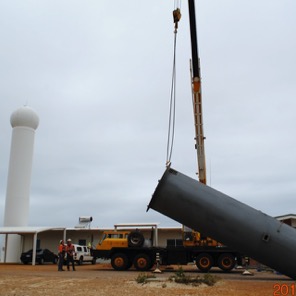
82,242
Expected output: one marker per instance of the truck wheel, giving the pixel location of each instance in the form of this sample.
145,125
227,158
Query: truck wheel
204,262
226,262
119,261
80,261
135,239
142,262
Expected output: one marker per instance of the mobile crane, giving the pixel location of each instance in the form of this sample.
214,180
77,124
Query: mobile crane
195,238
201,207
127,248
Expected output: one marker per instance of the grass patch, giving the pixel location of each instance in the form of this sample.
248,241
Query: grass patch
181,278
142,278
210,280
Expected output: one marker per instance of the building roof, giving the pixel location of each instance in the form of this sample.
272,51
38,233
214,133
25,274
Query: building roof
287,216
38,229
27,229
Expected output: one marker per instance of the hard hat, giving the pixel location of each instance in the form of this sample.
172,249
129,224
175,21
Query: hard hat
61,241
69,240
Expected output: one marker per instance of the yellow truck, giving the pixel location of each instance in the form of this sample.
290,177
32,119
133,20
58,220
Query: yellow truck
130,248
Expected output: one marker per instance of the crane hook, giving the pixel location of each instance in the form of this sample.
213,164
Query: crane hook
177,17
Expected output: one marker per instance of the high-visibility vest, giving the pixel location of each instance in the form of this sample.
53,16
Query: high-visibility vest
61,248
70,249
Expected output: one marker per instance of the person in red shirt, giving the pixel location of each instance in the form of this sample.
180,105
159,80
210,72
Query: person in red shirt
70,254
61,253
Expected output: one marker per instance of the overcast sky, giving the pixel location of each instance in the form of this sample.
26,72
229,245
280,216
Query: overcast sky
98,74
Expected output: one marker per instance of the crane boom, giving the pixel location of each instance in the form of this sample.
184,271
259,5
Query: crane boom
196,97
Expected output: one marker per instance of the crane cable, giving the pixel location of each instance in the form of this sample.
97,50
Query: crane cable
172,109
177,3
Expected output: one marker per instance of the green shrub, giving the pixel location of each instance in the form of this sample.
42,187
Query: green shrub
143,277
180,272
181,278
210,280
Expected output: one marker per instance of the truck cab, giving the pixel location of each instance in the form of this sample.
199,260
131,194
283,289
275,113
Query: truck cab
113,239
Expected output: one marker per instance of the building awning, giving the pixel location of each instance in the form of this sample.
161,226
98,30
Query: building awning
27,230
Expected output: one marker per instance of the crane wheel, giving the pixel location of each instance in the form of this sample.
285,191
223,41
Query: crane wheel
204,262
226,262
135,239
119,261
142,262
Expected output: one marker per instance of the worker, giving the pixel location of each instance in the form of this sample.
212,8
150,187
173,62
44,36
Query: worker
61,253
89,246
70,254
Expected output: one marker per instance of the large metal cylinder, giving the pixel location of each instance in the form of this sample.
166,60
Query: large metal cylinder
226,220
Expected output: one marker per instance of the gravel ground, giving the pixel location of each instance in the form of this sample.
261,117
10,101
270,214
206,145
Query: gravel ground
100,279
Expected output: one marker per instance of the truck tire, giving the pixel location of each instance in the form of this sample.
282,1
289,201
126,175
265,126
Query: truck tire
226,262
142,262
135,239
119,261
204,262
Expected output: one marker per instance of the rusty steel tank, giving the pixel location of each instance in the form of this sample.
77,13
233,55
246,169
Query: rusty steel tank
227,220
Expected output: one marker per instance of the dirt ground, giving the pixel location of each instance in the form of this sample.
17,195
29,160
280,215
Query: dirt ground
101,279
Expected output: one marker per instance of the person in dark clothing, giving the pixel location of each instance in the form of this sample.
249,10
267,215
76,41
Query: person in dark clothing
70,253
61,253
